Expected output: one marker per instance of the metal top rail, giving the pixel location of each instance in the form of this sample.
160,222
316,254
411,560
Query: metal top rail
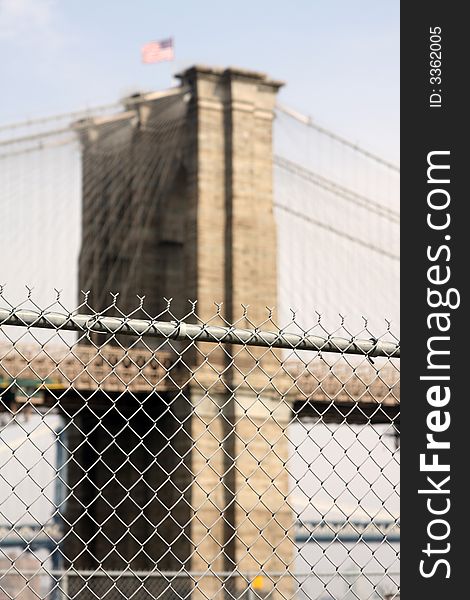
178,330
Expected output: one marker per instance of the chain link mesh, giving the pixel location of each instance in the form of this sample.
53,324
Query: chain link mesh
149,457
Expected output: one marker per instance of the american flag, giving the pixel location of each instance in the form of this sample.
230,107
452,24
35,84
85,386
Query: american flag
157,51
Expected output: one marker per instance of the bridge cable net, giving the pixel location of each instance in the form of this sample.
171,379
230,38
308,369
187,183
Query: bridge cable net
41,192
337,209
174,458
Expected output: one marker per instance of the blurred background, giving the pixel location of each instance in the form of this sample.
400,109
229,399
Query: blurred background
336,208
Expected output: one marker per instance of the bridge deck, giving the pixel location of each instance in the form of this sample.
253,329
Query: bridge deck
335,392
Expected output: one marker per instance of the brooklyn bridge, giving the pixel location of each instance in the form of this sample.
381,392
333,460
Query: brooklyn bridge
226,263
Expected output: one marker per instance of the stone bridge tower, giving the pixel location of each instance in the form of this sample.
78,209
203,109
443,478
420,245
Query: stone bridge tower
187,202
178,203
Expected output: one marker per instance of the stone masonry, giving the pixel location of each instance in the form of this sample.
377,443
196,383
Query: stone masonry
211,237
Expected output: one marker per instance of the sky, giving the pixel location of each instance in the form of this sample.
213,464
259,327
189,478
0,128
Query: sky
339,59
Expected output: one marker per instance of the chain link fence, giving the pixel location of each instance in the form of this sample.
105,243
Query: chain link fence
147,457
